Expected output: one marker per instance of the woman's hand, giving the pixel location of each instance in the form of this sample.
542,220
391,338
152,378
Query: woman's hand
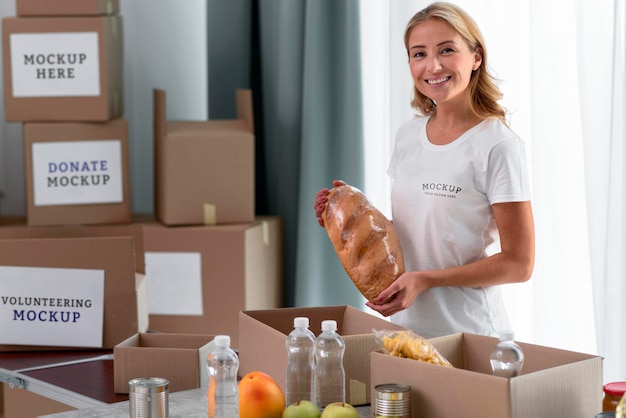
400,294
321,198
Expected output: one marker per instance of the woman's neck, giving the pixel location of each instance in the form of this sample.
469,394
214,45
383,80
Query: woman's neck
446,126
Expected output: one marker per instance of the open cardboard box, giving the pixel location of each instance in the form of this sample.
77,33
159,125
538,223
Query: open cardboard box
204,170
212,272
77,173
263,333
115,249
66,7
46,81
553,382
179,358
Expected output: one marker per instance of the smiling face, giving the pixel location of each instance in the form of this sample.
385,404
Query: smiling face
441,62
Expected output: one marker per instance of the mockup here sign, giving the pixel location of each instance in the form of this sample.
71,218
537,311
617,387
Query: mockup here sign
55,64
51,306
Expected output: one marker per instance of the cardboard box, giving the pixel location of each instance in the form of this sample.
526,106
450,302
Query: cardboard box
77,173
179,358
262,337
204,170
553,383
115,250
66,7
211,273
44,80
16,227
22,403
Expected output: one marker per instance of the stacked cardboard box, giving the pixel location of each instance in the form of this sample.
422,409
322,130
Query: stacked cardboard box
62,64
207,256
63,80
205,217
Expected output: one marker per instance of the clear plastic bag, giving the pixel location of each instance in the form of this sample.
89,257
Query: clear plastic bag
408,344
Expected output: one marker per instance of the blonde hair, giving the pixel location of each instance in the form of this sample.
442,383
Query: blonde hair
484,93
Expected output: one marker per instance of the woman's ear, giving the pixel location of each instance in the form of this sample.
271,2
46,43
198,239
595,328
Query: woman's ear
478,58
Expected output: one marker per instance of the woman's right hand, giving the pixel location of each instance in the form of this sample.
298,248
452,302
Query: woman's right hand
321,198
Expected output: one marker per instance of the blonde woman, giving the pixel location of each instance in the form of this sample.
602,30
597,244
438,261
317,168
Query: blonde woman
460,197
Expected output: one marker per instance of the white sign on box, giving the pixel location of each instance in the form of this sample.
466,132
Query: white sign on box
77,172
51,306
174,283
55,64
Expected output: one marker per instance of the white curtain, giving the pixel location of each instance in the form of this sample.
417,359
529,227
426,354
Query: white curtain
561,68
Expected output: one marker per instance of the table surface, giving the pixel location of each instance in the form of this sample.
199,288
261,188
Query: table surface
89,374
185,404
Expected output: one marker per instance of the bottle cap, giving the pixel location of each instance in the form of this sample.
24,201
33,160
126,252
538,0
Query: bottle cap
222,341
301,322
615,388
506,335
329,325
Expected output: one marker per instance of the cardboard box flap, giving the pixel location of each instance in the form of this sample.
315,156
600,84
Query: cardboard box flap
456,403
281,320
245,108
17,228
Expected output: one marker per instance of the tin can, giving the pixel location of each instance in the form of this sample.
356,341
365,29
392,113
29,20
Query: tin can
392,400
148,397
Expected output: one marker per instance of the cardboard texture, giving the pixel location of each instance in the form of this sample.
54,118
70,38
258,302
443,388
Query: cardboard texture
99,71
241,267
263,333
22,403
80,213
204,170
179,358
116,249
553,382
16,227
66,7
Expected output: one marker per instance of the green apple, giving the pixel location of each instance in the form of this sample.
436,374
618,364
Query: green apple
340,410
302,409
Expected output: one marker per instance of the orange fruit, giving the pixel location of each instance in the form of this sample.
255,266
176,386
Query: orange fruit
260,396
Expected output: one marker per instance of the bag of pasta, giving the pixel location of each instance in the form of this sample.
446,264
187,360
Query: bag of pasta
409,345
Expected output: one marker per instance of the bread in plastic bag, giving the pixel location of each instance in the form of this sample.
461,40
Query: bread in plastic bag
364,240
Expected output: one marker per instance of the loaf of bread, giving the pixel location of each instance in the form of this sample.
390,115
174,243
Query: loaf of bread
364,240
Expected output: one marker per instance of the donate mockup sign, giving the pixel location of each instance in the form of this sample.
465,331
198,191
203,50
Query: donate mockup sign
55,64
77,172
51,306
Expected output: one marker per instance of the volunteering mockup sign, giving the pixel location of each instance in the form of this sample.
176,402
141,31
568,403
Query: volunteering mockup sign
51,306
77,172
55,64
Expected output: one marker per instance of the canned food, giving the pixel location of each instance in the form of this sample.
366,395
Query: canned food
148,397
392,400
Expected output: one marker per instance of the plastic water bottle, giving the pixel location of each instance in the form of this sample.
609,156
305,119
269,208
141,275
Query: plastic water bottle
223,394
329,377
507,358
300,359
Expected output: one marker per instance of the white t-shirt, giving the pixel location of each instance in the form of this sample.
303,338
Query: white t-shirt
441,206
